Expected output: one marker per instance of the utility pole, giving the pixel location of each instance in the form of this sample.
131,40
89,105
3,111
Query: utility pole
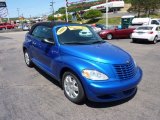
106,13
52,3
66,10
18,12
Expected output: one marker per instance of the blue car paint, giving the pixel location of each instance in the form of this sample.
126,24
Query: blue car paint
100,57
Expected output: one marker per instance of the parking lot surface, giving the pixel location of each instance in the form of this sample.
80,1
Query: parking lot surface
29,94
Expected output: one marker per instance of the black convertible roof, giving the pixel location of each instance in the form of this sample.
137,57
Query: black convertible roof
53,23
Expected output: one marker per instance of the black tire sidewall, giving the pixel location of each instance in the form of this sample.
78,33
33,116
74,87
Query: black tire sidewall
134,41
81,95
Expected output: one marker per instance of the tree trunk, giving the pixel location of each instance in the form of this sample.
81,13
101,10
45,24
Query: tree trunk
139,12
149,12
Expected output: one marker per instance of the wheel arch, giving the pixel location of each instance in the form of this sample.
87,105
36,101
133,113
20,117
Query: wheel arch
24,48
65,69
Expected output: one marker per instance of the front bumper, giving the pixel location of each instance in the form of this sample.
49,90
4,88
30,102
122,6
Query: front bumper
102,91
103,36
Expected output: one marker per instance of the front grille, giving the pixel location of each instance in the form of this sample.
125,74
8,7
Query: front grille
125,71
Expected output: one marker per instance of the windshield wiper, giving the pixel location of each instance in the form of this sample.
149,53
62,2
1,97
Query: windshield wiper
85,43
78,43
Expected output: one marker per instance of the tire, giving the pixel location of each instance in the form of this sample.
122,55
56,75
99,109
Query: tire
130,36
134,41
72,87
3,28
155,40
109,36
27,59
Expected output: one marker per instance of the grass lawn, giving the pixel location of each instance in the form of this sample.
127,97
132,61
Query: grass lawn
115,20
111,21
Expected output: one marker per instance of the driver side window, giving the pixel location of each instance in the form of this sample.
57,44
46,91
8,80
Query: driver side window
43,32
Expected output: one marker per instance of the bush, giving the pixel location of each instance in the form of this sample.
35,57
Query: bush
91,14
64,17
51,18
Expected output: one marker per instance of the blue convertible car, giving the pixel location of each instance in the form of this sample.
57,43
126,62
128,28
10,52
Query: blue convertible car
85,65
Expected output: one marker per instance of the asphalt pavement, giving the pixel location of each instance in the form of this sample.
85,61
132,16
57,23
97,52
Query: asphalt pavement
30,94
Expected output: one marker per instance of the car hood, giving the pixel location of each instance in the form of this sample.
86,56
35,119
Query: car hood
103,52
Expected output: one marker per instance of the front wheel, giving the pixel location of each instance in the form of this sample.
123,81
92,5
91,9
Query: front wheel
109,36
73,89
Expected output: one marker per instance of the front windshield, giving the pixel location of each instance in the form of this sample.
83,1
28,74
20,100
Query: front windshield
77,35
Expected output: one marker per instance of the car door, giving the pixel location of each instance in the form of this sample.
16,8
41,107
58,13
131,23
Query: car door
36,43
46,53
119,33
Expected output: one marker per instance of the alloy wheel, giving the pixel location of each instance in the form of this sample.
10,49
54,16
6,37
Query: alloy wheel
109,36
71,87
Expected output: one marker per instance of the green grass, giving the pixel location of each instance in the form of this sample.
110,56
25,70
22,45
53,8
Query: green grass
155,16
111,21
115,20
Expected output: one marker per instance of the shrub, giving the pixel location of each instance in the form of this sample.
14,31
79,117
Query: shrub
91,14
51,18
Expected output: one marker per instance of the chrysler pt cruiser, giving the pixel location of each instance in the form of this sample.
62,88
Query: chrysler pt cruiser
86,66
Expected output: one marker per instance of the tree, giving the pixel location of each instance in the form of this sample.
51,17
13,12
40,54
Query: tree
80,6
64,17
145,6
51,18
61,10
91,14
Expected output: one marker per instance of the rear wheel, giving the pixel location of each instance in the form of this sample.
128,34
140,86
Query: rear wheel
27,59
109,36
155,40
134,41
73,89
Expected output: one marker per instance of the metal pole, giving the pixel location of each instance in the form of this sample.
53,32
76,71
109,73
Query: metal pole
106,13
18,12
66,11
52,7
8,15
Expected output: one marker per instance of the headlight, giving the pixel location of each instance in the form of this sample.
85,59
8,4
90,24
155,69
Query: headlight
102,32
94,75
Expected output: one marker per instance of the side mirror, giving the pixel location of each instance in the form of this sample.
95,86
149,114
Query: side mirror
48,41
